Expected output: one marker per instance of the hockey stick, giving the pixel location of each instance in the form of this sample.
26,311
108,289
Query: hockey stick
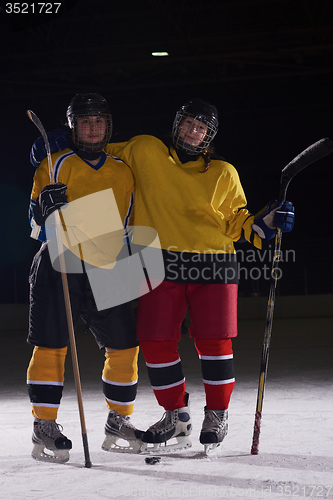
36,121
310,155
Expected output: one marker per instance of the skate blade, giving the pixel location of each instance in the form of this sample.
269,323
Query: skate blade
212,449
182,443
58,457
116,444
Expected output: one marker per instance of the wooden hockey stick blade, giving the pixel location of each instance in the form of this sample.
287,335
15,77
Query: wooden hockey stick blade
310,155
36,121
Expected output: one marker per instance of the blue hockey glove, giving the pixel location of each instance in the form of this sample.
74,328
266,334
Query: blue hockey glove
285,217
58,139
51,198
274,215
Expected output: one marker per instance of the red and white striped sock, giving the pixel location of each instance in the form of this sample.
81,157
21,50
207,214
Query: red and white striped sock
165,372
216,357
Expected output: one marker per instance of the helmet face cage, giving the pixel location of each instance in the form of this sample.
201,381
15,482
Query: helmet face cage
204,114
83,107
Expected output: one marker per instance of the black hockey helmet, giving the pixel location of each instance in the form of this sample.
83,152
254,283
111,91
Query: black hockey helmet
203,112
89,104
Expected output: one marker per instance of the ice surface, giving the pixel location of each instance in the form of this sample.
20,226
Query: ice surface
296,443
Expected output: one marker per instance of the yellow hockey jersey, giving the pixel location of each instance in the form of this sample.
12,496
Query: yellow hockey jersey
192,211
90,218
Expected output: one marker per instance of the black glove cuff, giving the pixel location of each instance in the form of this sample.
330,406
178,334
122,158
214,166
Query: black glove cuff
38,216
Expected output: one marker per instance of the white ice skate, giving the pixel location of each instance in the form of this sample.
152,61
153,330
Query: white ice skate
214,430
47,434
121,435
170,433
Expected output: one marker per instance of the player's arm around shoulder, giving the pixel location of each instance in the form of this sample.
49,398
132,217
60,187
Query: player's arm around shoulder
133,150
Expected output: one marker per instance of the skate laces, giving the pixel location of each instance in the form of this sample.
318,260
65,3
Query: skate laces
167,421
218,418
122,420
50,428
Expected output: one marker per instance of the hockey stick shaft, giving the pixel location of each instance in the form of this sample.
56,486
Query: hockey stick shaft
266,343
59,220
310,155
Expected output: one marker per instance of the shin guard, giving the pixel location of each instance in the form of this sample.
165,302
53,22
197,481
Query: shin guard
120,379
165,373
216,357
45,379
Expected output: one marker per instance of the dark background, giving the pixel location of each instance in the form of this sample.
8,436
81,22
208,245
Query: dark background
266,64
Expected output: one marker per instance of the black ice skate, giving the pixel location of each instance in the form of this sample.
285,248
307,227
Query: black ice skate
121,435
214,429
47,434
171,432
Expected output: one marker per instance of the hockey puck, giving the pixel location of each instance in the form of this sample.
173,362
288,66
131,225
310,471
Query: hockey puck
152,460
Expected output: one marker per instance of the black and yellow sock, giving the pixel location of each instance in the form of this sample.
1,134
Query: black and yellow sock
45,379
120,379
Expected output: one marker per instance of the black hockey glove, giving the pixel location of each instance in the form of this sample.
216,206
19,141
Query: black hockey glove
275,214
51,198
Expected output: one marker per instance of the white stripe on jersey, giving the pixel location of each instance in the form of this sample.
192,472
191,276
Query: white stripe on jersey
58,164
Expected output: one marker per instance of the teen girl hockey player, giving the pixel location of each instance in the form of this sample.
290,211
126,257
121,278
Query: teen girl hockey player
195,201
80,170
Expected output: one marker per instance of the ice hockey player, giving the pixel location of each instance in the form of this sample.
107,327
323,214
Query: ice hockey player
195,201
80,170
